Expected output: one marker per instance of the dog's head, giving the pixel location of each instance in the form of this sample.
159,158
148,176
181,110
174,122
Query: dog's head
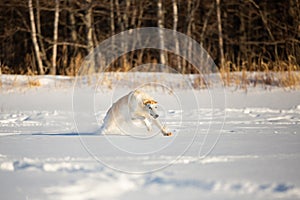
151,107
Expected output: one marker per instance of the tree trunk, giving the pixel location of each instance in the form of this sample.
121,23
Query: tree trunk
141,13
175,23
243,37
74,39
55,36
112,25
89,37
125,15
125,64
162,56
119,15
112,18
34,39
205,23
89,26
220,34
39,34
192,8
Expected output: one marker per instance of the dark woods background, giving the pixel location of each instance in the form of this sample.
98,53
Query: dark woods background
54,36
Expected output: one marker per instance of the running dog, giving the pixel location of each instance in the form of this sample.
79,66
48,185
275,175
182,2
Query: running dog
136,105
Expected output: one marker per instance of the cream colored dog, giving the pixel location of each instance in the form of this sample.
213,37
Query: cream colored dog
136,105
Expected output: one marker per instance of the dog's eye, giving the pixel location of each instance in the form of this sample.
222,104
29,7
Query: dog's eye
149,107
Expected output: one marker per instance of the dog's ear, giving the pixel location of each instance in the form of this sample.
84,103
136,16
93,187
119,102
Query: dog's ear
149,101
137,92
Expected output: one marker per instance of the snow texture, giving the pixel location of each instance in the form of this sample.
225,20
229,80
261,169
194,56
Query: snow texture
247,149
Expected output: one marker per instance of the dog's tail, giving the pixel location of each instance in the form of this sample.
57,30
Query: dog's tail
101,129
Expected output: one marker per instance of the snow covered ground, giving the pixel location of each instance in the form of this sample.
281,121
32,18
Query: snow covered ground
227,143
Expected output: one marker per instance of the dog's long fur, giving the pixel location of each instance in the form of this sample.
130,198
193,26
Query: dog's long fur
136,105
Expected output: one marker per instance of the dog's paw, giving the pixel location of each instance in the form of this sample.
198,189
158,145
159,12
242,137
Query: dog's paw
168,134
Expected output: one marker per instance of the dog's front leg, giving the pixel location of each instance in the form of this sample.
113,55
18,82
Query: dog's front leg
162,128
148,124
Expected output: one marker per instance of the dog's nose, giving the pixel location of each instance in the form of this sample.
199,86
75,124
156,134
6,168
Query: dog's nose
156,116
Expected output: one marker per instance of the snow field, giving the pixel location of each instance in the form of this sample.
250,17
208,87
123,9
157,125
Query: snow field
249,149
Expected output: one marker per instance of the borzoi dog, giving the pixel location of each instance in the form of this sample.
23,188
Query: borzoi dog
136,105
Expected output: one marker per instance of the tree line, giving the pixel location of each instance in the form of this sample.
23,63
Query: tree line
53,37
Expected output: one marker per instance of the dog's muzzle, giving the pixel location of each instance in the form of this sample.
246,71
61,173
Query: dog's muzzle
154,115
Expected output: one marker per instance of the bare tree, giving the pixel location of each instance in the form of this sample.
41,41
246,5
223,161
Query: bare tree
55,36
175,23
39,34
218,7
205,23
34,39
242,36
192,7
112,18
250,34
89,36
160,20
89,26
126,14
119,15
74,37
125,65
140,15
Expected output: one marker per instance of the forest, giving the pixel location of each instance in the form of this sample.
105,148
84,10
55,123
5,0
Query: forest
53,37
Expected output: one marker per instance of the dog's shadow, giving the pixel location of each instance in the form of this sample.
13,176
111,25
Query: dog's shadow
66,134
